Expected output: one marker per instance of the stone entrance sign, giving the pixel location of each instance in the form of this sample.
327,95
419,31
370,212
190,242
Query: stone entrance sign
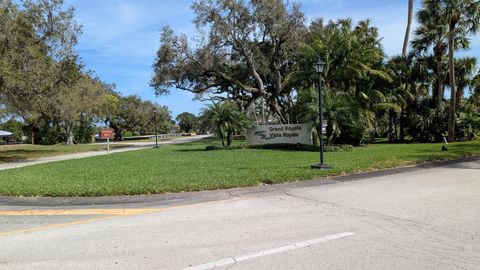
289,134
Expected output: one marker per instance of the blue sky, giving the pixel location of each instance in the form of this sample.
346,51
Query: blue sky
121,37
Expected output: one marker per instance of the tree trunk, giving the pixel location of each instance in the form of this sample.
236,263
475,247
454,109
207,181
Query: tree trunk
315,137
329,131
118,132
451,62
260,84
460,94
277,109
255,111
229,137
69,128
402,126
391,126
440,84
222,137
409,25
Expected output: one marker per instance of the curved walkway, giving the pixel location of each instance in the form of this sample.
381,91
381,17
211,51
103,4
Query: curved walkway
134,146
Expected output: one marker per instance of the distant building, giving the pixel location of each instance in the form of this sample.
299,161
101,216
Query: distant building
177,128
5,136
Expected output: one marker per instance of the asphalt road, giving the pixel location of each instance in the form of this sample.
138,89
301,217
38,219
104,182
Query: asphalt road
420,218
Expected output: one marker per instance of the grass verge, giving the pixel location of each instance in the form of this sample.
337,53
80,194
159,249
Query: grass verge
188,167
13,153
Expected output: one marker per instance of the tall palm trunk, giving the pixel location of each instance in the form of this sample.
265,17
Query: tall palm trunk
460,94
402,126
440,83
392,133
409,26
453,102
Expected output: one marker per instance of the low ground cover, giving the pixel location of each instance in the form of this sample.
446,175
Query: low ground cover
280,146
12,153
188,167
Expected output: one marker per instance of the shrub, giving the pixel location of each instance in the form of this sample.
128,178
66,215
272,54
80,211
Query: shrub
426,124
290,147
468,124
84,131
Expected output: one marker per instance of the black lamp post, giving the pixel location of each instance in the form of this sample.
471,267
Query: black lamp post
155,124
319,68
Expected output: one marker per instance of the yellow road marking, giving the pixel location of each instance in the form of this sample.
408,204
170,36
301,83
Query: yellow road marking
77,212
39,228
113,213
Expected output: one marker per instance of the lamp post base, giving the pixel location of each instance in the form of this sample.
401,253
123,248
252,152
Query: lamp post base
156,146
321,167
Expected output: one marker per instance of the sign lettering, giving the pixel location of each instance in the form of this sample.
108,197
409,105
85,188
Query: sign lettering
106,133
289,134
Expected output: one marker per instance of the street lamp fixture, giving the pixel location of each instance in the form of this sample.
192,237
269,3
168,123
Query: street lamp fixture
319,66
155,110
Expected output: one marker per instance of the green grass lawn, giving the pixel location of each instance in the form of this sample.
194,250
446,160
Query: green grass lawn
187,167
12,153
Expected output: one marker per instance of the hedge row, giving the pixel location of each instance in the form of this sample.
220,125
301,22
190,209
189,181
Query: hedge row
292,147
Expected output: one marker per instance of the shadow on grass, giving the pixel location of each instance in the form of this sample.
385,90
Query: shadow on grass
191,150
465,146
104,148
18,155
190,144
454,152
391,143
209,141
22,154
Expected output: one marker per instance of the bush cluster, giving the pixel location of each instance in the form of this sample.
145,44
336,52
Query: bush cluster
291,147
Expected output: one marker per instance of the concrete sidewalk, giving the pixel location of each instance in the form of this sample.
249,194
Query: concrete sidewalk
134,147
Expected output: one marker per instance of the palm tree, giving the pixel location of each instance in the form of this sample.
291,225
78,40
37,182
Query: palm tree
409,25
461,16
465,71
347,120
432,33
394,99
476,90
226,119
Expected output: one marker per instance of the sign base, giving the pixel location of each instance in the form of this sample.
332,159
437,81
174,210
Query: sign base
322,167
